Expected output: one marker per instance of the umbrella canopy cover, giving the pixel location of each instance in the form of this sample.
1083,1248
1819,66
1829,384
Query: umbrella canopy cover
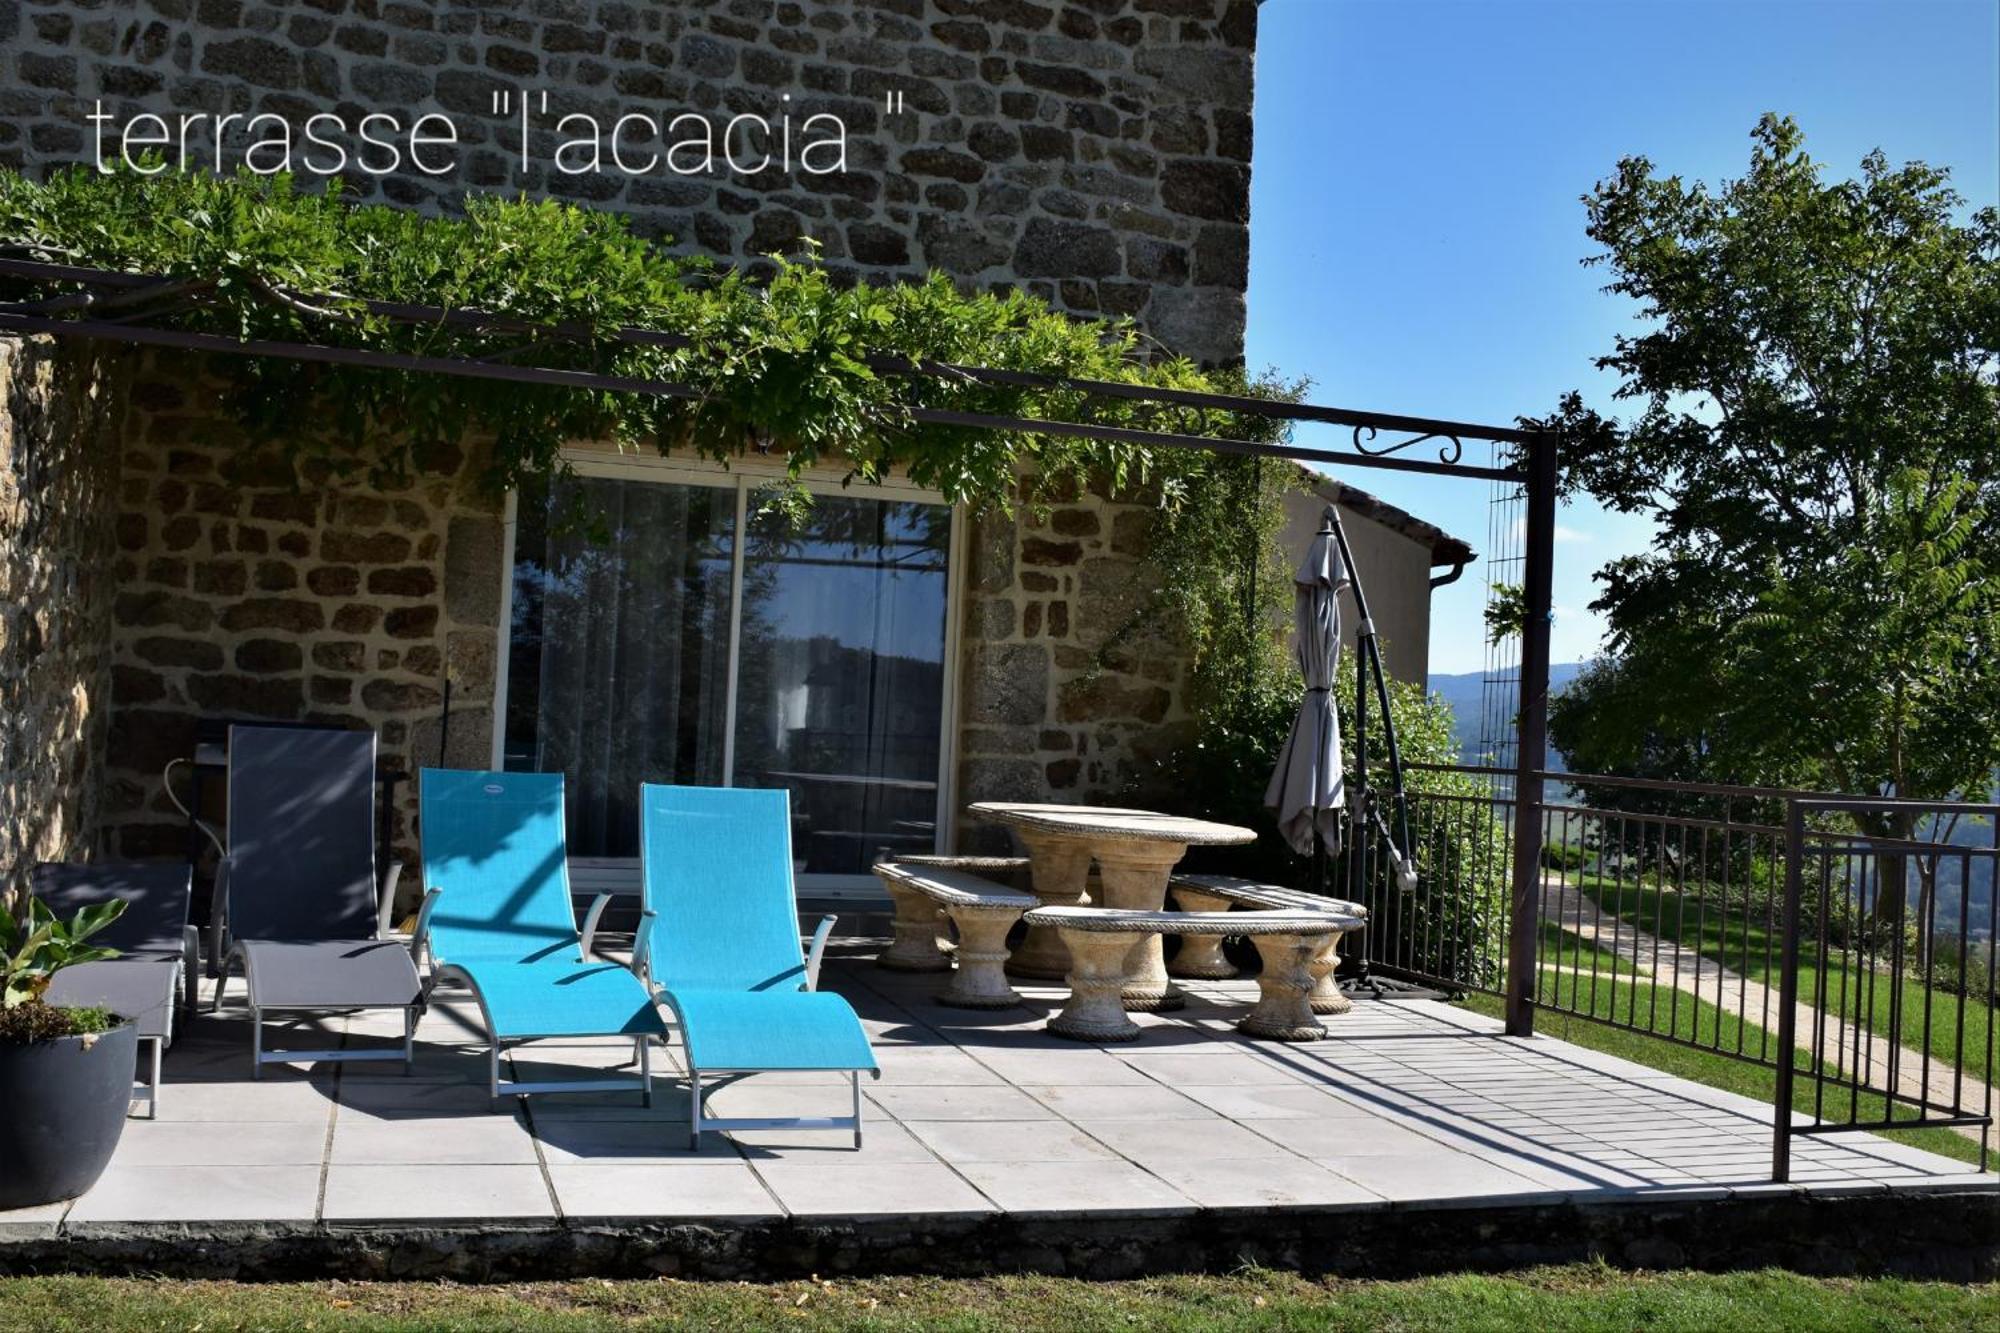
1308,789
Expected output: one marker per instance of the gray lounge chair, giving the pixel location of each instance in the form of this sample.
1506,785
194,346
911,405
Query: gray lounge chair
158,951
300,909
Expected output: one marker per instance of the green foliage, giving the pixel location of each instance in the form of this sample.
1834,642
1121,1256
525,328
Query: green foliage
1222,575
1453,925
39,945
35,1021
1564,855
783,359
1506,612
1815,442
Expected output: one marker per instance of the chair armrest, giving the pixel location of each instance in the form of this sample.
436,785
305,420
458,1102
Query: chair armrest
190,966
590,920
385,907
218,917
642,946
818,948
420,938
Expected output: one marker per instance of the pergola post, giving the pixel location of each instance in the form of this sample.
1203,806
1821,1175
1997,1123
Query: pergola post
1532,735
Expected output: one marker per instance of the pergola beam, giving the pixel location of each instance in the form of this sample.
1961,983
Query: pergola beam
27,318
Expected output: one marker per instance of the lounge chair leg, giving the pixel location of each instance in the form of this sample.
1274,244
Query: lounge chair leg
694,1109
256,1043
645,1072
855,1079
493,1074
153,1087
409,1042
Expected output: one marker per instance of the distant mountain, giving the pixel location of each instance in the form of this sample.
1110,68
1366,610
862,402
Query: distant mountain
1465,694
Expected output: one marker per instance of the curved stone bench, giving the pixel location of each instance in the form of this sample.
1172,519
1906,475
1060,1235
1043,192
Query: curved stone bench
982,910
1103,942
914,945
1202,957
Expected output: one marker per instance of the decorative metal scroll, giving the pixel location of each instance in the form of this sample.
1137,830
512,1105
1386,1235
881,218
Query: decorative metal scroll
1449,452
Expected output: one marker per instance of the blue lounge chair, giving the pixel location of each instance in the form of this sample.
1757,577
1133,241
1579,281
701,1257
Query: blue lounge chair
498,918
721,942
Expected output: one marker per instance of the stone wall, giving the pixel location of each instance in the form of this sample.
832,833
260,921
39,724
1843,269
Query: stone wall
59,407
1065,693
251,585
1097,151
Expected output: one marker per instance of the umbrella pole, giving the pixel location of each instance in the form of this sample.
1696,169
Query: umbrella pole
1360,805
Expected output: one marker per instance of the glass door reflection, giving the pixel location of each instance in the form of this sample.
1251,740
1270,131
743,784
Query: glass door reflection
840,675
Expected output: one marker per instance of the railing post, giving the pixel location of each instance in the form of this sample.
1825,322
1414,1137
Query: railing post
1788,994
1531,742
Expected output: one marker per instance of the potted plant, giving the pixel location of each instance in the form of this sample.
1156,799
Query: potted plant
65,1073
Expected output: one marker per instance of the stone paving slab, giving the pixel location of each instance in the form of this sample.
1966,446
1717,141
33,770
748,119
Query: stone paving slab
1410,1104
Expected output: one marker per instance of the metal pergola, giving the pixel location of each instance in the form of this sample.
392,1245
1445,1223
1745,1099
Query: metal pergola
139,309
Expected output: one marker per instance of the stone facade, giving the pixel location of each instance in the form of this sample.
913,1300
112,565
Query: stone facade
1095,151
1066,691
249,586
59,407
246,587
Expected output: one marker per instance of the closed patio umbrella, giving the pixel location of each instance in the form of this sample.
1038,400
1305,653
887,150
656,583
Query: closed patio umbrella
1308,790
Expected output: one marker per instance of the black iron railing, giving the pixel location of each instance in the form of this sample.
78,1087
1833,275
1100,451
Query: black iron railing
1849,945
1450,930
1886,1012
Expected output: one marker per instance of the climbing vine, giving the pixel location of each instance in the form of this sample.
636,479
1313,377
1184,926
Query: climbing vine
779,357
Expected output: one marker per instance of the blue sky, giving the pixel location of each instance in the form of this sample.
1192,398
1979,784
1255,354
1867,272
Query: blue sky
1415,224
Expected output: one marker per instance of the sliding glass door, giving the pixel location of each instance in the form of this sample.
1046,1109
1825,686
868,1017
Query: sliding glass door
666,630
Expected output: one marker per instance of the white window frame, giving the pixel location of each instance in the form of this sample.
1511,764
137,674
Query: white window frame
603,874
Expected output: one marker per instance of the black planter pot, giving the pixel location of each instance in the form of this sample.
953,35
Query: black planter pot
62,1108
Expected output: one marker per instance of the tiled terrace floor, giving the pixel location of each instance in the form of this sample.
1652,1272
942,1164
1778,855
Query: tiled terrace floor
1410,1102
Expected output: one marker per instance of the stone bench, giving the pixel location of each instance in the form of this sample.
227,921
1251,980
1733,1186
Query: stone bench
1105,942
914,946
1201,956
982,910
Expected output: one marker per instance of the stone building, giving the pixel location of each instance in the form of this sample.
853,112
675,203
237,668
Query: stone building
158,569
1097,151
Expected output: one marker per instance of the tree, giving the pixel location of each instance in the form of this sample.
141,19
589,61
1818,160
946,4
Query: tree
1818,442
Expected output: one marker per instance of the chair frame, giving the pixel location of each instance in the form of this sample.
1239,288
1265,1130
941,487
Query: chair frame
496,1045
148,1089
236,954
186,985
697,1093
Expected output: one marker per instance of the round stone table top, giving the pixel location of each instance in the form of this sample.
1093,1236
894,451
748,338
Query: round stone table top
1111,824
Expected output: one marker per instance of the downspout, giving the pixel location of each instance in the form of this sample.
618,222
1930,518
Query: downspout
1458,568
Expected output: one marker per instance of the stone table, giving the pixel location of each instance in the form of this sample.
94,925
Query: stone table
1136,852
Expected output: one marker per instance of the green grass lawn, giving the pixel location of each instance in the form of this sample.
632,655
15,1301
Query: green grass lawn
1692,1020
1579,1298
1747,947
1578,954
